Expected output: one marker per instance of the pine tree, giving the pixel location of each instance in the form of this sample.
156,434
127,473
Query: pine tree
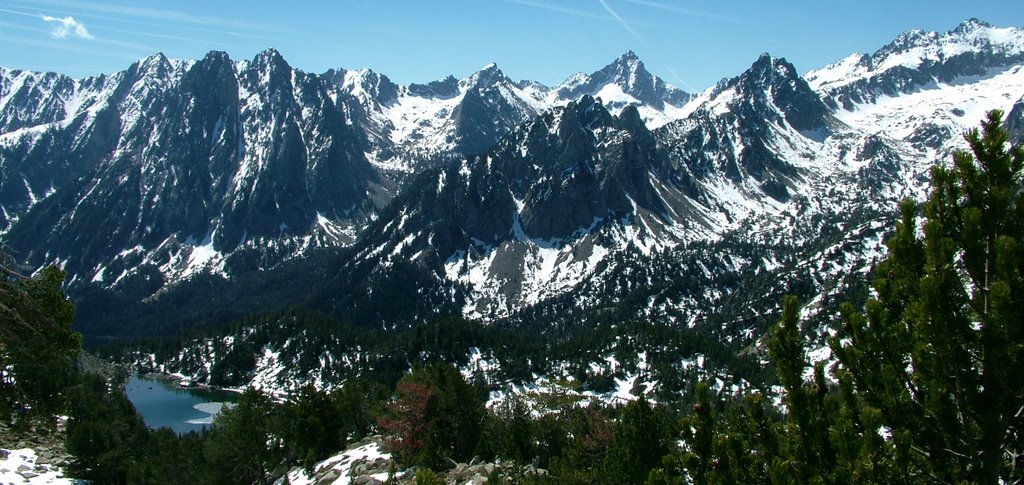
811,410
787,351
826,434
314,426
939,350
104,433
699,435
436,417
639,441
38,349
245,445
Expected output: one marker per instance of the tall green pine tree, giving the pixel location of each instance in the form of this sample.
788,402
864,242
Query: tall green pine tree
939,350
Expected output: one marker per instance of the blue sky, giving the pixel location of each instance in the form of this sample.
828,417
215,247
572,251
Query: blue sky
691,44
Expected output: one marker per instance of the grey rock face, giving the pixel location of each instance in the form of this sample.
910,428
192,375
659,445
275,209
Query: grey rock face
629,73
178,152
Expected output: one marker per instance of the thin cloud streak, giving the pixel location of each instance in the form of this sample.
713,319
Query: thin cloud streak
64,46
682,10
143,49
574,12
620,20
166,15
559,9
17,12
690,89
162,36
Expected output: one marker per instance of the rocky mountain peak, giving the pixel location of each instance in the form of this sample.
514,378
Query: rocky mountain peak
213,79
269,53
157,66
269,71
270,60
775,72
906,41
632,122
628,69
442,88
770,70
486,112
215,65
217,57
627,74
629,62
630,119
155,60
487,76
534,86
971,25
363,83
971,35
775,81
585,113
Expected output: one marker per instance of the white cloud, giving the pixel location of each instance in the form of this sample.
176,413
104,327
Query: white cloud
67,27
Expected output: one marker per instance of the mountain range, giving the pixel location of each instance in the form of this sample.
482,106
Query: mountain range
217,188
185,162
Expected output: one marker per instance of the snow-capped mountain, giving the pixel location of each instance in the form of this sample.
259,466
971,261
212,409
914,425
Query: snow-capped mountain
926,88
174,165
761,161
808,217
31,99
917,59
502,219
184,164
409,126
564,198
626,82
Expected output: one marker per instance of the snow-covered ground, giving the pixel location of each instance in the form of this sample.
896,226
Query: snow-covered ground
23,466
343,468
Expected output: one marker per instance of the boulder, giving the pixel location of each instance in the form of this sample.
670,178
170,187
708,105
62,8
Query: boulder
329,477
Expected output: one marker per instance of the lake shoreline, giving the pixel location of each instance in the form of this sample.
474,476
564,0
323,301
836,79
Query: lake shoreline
184,383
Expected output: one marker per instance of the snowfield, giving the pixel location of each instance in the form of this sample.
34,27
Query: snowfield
24,466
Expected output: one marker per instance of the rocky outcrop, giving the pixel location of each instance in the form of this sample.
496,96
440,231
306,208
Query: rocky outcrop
364,464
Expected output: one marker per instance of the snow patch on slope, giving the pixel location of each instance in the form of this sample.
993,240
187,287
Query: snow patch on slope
23,466
956,107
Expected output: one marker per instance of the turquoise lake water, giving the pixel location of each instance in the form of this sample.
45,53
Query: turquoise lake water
161,403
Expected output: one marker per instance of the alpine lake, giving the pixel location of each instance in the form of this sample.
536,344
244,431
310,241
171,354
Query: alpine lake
162,403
